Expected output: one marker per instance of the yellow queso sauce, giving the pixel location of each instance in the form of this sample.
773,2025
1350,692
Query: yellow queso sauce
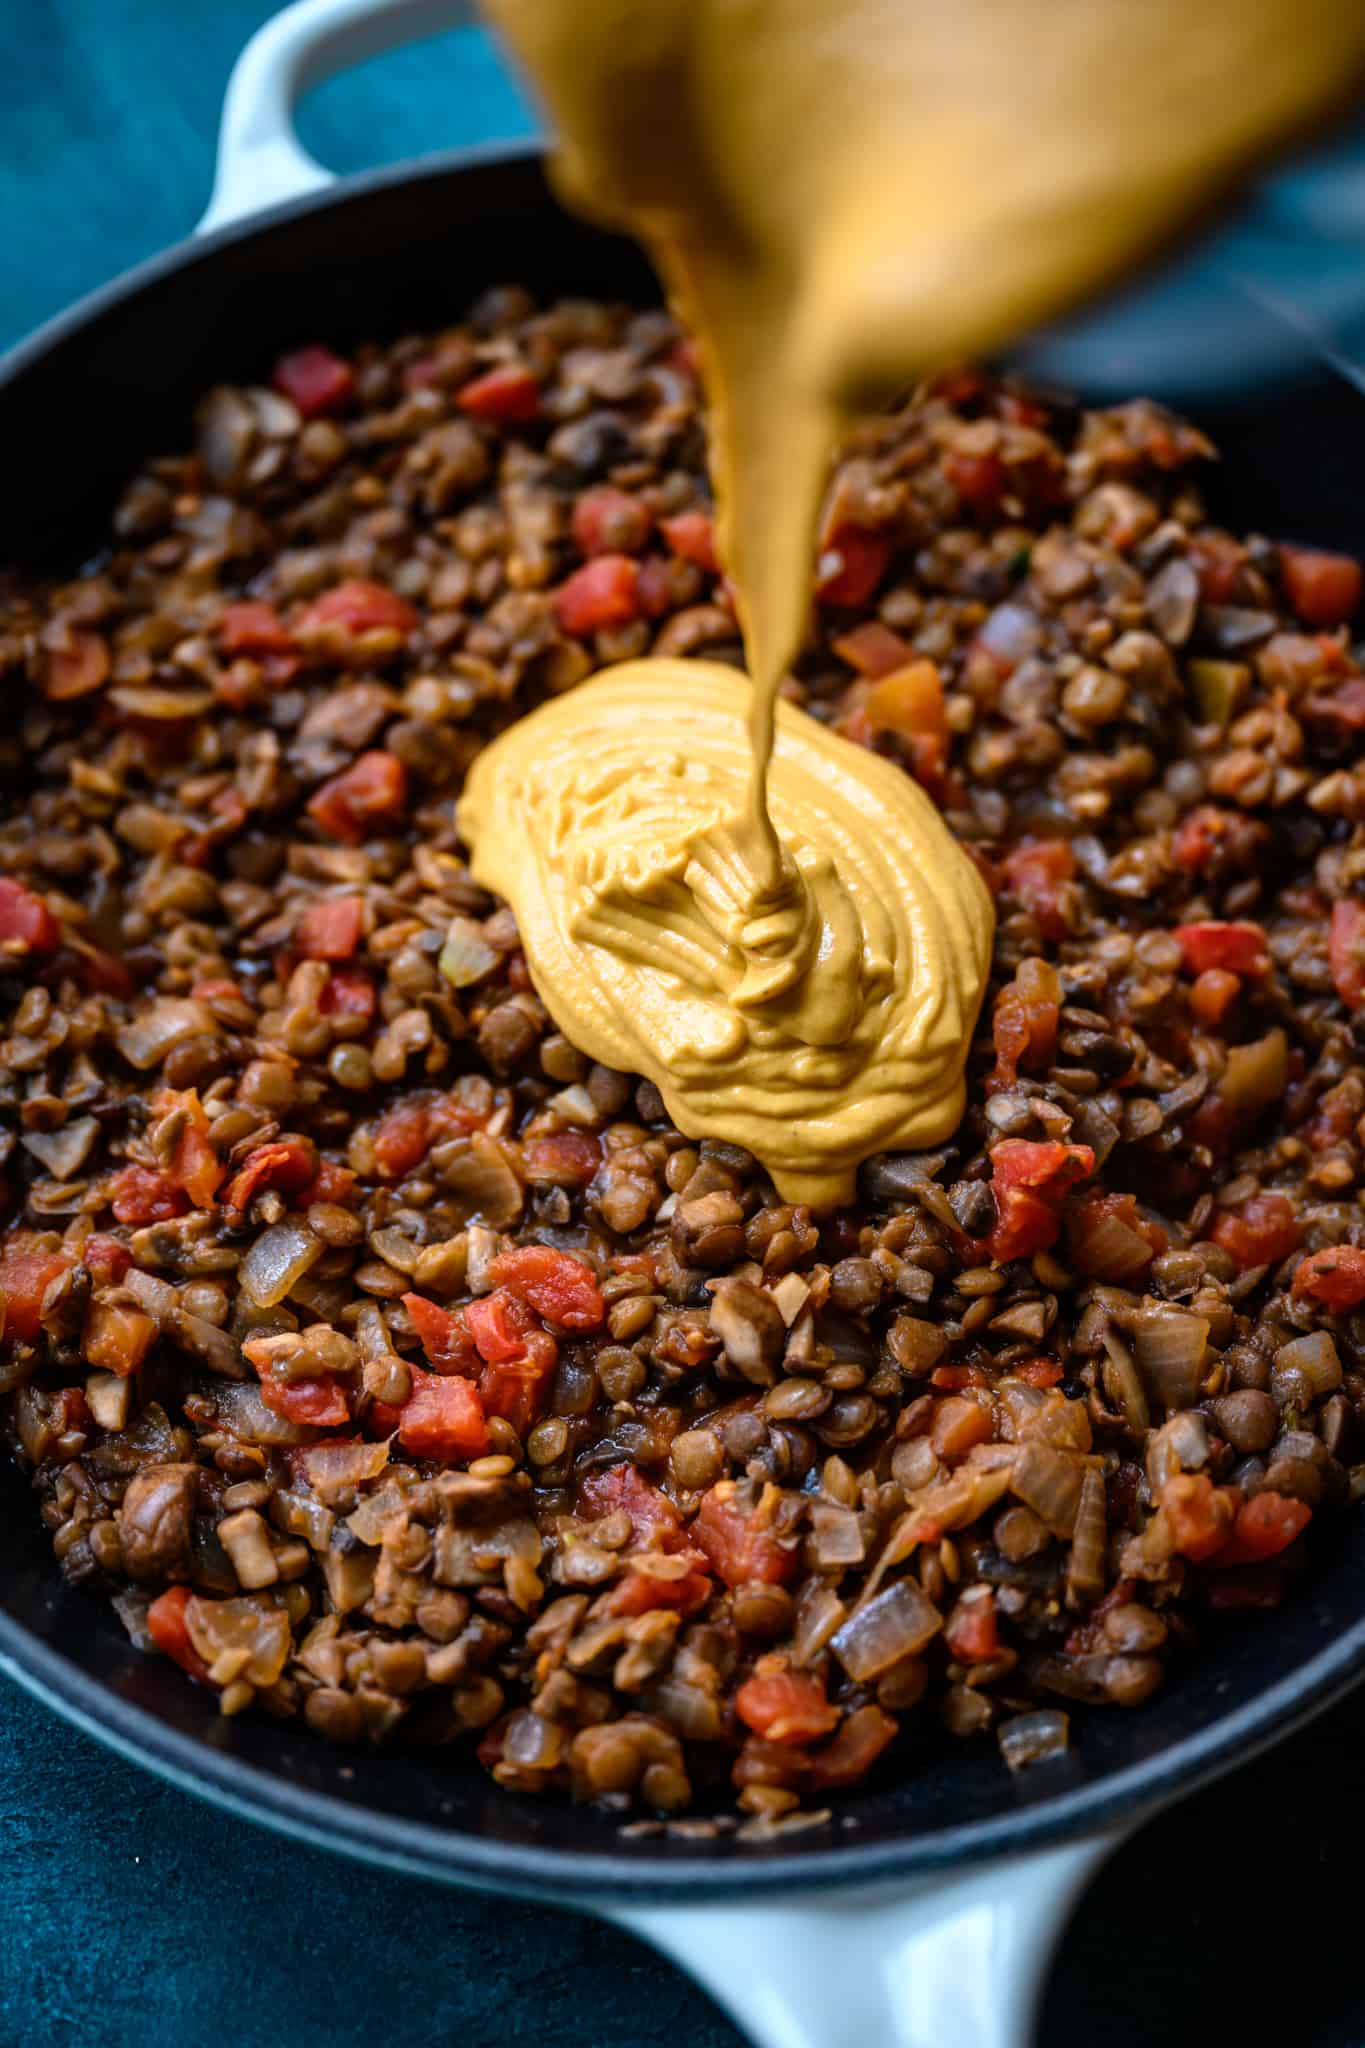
838,194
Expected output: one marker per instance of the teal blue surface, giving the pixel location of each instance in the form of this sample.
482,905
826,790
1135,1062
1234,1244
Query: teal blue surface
132,1915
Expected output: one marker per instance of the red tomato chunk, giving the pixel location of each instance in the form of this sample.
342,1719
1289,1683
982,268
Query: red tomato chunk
443,1419
1334,1277
555,1285
25,1276
851,565
740,1545
1324,589
369,795
602,593
506,396
1261,1233
330,930
361,607
143,1194
168,1629
314,379
1231,948
26,923
1346,951
786,1706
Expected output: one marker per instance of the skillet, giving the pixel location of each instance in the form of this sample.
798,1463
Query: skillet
922,1913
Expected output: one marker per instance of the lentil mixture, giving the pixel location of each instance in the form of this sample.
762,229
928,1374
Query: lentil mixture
391,1366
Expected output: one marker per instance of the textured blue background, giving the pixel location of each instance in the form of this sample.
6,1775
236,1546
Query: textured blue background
131,1914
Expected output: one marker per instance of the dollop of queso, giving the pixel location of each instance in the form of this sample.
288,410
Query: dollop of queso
837,196
814,1021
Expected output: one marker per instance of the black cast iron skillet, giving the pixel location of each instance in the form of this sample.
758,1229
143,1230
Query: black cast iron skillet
79,405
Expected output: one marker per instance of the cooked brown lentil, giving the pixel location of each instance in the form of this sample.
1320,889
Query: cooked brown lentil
392,1365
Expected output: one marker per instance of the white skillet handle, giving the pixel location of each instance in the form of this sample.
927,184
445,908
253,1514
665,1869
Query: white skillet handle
261,161
959,1962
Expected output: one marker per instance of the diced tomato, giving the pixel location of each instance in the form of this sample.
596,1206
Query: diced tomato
26,923
193,1164
116,1339
505,396
851,565
25,1276
1346,950
1036,871
972,1633
980,479
555,1285
786,1706
105,1258
1024,1021
644,1592
610,522
313,1404
287,1165
443,1419
520,1356
1334,1277
168,1629
401,1138
77,668
908,700
691,537
653,1516
253,627
1261,1233
372,792
1029,1182
951,1379
499,1324
1342,706
330,930
1234,948
314,379
1324,589
1266,1524
444,1335
873,649
959,1425
602,593
1038,1372
1198,1514
741,1546
333,1183
361,607
1049,1167
348,992
1213,995
144,1194
568,1159
850,1754
1217,560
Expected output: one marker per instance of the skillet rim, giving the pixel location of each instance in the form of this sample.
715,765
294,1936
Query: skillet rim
593,1878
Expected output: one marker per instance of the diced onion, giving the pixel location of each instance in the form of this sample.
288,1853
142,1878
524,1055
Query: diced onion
1049,1482
1034,1738
336,1471
246,1415
1256,1074
1305,1368
146,1039
896,1624
254,1624
836,1537
466,956
279,1257
1170,1344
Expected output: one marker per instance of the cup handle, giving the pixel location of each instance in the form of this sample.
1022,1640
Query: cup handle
956,1962
261,162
